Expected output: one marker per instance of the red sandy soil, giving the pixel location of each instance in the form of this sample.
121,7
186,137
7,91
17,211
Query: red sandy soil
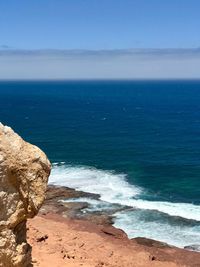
58,242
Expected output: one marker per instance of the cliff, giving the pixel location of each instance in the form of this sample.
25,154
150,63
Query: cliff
24,172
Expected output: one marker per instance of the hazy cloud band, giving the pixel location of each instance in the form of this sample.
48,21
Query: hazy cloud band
100,64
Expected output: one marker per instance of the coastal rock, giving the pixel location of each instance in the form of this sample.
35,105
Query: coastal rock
55,201
59,200
150,242
24,172
194,247
115,232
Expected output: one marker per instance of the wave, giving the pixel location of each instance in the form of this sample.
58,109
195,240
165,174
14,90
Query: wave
174,223
114,188
184,210
137,224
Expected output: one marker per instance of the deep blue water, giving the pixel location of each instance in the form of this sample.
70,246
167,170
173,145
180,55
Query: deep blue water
148,130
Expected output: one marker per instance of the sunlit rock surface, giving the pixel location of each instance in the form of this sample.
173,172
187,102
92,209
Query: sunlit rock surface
24,172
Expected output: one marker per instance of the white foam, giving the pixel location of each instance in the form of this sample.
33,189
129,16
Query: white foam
184,210
135,225
112,187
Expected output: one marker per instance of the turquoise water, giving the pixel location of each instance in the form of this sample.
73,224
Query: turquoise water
136,143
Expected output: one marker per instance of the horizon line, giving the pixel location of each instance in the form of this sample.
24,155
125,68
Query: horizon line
98,79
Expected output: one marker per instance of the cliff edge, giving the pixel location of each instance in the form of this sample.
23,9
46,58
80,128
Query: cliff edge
24,172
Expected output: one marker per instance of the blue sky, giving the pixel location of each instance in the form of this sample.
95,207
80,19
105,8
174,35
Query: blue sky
111,25
104,24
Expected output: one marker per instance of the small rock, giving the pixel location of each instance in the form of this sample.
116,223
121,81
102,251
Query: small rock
152,258
42,238
81,245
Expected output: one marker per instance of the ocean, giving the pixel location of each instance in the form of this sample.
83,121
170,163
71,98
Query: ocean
136,143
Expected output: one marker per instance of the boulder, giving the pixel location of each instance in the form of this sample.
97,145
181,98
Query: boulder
24,172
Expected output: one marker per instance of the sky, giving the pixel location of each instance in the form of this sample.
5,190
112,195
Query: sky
63,39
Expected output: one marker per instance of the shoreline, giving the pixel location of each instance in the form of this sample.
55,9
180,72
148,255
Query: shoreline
58,200
61,218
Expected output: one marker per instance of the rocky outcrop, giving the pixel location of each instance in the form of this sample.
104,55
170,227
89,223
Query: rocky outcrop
24,171
59,200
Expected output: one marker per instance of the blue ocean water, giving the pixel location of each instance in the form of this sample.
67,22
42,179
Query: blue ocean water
136,143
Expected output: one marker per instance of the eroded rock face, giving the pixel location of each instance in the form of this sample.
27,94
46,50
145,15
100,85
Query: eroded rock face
24,172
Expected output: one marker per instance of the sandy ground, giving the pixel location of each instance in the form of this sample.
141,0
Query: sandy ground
58,242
